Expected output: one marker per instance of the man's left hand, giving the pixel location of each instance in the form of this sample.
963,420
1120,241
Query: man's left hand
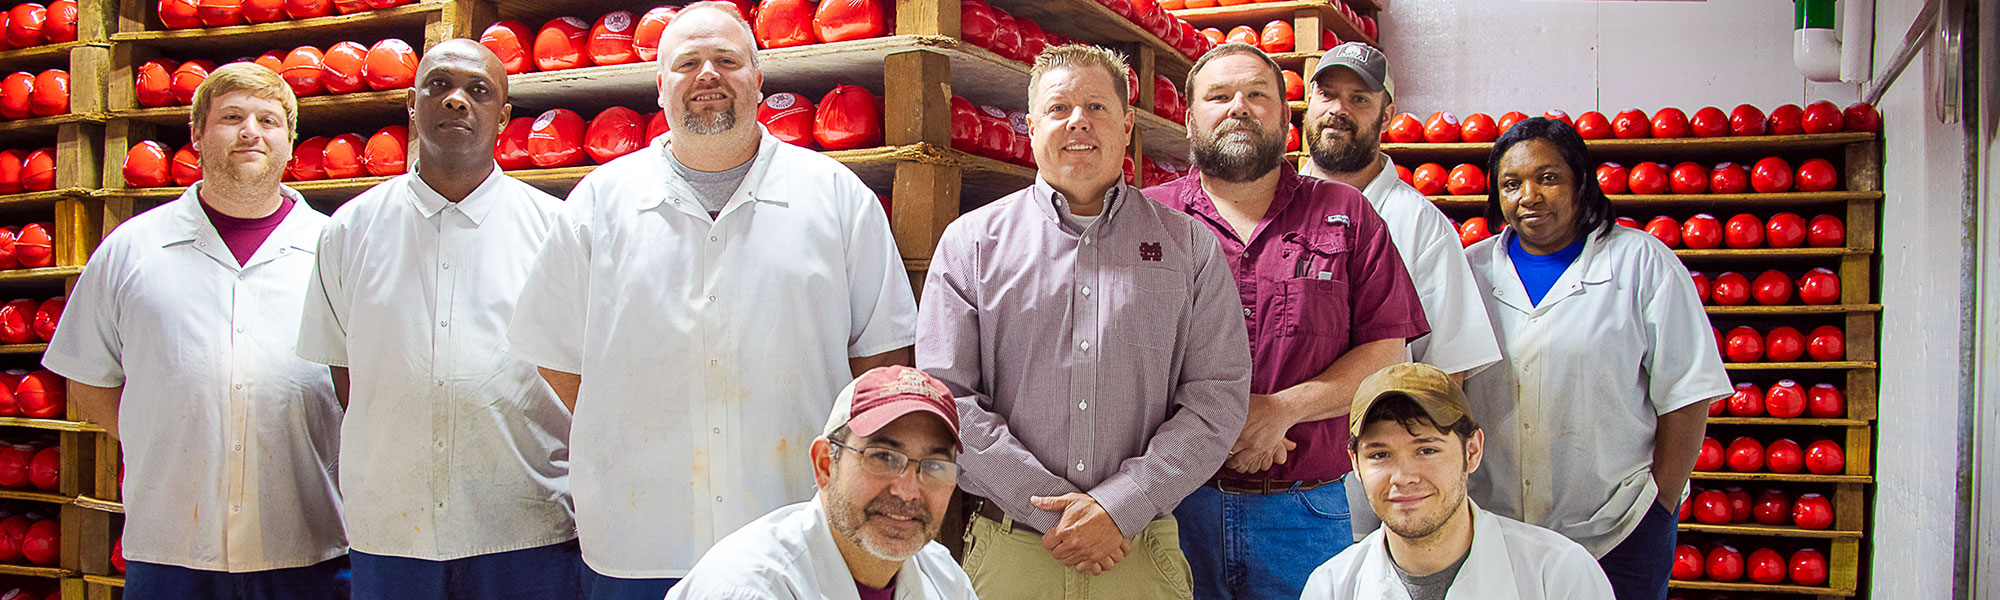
1263,442
1085,539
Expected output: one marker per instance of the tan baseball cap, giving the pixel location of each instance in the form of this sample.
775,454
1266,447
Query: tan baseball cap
1429,387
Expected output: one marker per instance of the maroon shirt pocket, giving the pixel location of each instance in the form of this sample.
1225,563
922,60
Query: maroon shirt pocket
1316,297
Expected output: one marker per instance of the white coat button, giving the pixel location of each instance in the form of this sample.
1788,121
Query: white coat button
1085,345
1082,405
1086,240
718,498
235,508
239,446
447,265
713,238
1079,465
239,386
718,430
444,324
1086,290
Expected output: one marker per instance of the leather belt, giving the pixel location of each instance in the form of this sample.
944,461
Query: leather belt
992,512
1267,486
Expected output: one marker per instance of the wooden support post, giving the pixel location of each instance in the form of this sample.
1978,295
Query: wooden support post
926,195
1861,394
109,463
927,17
1306,28
1145,63
86,540
459,19
90,70
121,91
1844,566
95,21
133,15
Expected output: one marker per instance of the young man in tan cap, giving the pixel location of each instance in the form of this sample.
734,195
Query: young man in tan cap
886,467
1414,445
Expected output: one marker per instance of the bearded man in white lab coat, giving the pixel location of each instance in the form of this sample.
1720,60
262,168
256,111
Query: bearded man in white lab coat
1414,444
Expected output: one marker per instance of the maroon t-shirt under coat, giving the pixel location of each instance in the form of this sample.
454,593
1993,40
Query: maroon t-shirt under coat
244,236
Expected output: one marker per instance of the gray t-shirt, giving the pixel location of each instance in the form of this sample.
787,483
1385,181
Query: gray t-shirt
1075,223
1433,586
713,189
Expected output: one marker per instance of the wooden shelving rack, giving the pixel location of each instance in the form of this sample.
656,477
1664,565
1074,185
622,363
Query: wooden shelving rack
917,69
1858,203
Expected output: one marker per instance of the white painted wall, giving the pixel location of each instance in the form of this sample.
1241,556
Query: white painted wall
1493,56
1986,498
1925,236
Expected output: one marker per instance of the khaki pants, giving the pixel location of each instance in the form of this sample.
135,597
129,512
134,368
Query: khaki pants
1008,563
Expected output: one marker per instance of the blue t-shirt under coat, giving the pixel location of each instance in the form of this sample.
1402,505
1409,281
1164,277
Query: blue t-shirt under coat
1539,272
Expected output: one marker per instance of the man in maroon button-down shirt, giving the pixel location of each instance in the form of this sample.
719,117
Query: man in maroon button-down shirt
1327,301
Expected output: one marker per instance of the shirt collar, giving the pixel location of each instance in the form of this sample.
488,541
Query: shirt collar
1195,200
1045,196
1383,182
476,205
767,145
192,224
1487,572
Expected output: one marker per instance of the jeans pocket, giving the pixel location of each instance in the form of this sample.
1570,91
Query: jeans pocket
1327,502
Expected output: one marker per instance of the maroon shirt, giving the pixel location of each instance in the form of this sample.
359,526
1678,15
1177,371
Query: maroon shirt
243,236
869,593
1318,276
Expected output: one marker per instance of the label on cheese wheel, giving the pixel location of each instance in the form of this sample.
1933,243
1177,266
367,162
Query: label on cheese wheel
578,23
618,22
994,112
542,122
1020,121
780,101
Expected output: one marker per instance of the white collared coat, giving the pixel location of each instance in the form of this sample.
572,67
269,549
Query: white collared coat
1509,560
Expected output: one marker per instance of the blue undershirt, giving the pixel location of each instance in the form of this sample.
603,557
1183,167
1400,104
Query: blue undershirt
1539,272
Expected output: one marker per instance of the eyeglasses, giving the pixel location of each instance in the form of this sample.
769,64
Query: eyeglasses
935,472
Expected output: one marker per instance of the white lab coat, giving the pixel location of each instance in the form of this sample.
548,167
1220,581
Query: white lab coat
1509,560
1571,413
790,555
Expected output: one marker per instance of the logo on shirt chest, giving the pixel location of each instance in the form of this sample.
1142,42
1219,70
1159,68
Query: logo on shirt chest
1150,251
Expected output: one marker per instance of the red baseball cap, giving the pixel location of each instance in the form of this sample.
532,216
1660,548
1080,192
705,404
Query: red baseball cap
884,394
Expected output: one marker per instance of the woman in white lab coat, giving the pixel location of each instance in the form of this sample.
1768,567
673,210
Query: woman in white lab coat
1596,412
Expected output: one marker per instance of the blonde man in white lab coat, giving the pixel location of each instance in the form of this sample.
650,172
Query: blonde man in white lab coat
1414,444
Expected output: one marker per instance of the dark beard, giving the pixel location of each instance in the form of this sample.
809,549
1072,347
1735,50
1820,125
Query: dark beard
1264,155
1343,158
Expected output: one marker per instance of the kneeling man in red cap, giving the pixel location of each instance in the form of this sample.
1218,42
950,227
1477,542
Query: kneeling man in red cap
886,468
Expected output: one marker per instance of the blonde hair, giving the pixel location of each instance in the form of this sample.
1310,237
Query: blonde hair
256,79
1080,56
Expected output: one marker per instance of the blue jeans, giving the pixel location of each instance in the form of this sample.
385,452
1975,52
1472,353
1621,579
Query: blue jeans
150,581
1261,546
598,586
544,573
1639,566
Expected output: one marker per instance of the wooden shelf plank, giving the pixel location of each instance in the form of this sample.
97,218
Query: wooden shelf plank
1648,149
31,496
1764,255
364,27
45,56
1090,22
102,505
1770,531
1296,61
110,580
31,571
1775,421
316,113
1782,477
977,74
1792,310
1256,14
1818,366
54,274
875,166
48,197
1693,201
49,424
23,348
318,191
1758,588
42,131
